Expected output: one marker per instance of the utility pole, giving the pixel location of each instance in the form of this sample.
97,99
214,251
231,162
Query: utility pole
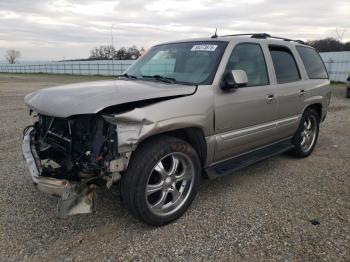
112,36
112,40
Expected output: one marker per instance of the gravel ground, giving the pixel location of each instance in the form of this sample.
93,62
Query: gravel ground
280,209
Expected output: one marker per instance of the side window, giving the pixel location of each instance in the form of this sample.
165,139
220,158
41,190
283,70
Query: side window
313,64
250,58
284,63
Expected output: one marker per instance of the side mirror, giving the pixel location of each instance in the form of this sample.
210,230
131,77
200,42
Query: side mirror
234,79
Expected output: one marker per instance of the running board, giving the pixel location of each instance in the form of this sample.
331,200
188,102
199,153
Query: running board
228,167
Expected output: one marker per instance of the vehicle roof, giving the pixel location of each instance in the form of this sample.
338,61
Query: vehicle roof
244,38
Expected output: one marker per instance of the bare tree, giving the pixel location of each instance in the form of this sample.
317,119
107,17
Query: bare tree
329,45
142,51
121,54
94,53
12,55
109,52
340,33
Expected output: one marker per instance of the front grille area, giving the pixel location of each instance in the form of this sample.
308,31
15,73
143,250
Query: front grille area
85,140
56,131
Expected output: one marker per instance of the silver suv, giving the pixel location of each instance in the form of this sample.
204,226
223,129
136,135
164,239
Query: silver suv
185,110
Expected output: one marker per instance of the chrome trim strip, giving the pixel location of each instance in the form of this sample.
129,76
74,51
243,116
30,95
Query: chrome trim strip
247,131
258,128
288,120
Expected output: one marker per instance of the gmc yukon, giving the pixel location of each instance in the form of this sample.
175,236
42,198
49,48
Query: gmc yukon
185,110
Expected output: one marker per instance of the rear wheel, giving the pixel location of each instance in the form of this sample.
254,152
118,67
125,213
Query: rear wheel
161,181
306,136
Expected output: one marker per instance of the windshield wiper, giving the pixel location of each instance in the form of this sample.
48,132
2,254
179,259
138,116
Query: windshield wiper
165,79
128,76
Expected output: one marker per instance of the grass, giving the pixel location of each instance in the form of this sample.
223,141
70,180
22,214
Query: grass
339,85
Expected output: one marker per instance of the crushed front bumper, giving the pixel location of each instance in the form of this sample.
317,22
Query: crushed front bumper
75,198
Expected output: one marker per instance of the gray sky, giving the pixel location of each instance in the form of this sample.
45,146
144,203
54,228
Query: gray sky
53,29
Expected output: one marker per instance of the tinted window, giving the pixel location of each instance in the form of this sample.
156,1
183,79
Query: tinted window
250,58
188,63
312,62
285,66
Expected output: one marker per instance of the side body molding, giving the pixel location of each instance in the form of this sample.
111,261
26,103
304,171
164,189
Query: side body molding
243,138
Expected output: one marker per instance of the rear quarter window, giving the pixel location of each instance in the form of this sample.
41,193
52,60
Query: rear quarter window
312,62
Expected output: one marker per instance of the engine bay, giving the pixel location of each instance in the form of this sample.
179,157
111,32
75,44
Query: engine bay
76,147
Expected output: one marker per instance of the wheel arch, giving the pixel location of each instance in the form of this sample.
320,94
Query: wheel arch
192,135
317,107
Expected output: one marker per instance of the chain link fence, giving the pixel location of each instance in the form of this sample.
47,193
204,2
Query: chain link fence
337,64
101,67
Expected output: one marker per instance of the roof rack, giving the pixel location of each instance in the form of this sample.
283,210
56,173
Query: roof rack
264,36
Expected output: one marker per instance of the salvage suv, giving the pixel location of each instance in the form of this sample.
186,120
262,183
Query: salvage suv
185,110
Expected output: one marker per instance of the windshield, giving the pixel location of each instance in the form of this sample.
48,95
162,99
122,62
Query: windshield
186,63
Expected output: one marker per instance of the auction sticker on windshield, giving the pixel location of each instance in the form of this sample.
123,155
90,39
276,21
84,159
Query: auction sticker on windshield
210,48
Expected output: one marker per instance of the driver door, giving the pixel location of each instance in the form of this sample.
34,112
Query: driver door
245,117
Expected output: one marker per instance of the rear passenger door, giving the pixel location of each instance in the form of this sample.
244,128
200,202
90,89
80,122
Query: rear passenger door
290,89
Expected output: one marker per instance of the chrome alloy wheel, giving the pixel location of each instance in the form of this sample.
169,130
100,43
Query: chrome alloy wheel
169,184
308,133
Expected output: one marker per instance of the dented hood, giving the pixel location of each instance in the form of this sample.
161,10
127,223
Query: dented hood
92,97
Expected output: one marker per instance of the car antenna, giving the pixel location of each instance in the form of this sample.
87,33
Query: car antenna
215,35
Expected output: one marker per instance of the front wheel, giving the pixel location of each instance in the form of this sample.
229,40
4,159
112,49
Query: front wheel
306,136
161,181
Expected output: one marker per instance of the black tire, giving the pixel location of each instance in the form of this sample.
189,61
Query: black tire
299,150
142,166
348,92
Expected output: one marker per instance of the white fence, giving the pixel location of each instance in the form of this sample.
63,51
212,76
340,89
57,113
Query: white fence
97,67
338,65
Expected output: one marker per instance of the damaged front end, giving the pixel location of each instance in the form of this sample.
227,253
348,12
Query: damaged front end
69,157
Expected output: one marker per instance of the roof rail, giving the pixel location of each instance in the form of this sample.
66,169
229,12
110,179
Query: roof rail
264,36
253,35
261,36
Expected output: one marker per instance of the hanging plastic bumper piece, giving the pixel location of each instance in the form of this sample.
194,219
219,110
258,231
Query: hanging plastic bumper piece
75,197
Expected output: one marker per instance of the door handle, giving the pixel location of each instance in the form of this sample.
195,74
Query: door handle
302,92
270,98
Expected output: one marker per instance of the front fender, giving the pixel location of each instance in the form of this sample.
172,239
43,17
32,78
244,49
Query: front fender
140,123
